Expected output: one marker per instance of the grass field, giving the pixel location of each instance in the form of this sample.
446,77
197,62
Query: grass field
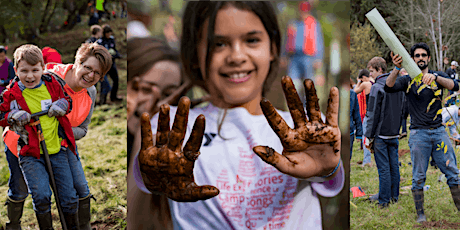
103,150
439,206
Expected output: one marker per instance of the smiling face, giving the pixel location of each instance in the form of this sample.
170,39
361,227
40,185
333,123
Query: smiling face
240,61
422,60
28,74
88,73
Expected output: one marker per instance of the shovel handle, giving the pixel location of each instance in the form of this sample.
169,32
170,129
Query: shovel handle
41,113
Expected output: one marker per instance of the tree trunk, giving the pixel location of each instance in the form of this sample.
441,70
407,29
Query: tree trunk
412,40
43,25
3,34
30,32
439,59
51,15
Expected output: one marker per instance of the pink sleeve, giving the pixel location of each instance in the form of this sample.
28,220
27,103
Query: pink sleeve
332,187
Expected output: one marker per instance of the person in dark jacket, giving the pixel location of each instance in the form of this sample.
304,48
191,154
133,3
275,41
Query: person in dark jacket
355,120
451,72
426,129
108,41
383,122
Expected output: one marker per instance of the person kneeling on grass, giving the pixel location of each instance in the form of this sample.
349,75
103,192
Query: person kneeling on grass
32,92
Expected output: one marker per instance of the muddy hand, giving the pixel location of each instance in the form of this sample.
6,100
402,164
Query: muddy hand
165,168
312,148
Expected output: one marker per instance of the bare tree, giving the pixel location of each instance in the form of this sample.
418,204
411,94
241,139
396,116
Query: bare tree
407,28
441,20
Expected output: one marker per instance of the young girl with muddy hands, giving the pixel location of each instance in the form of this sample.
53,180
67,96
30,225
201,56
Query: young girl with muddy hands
232,51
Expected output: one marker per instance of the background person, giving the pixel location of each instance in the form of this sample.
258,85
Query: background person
7,72
365,82
452,73
304,46
383,123
108,41
154,74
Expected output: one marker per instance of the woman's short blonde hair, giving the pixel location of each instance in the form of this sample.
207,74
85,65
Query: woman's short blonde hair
87,50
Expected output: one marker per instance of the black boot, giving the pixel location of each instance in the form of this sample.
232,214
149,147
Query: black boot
44,221
71,221
418,199
14,214
455,190
84,213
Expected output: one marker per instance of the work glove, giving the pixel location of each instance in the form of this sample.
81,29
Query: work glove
58,108
18,117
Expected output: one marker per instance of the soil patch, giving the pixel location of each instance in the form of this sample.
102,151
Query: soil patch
441,224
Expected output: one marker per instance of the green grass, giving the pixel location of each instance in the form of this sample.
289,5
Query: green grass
102,151
365,215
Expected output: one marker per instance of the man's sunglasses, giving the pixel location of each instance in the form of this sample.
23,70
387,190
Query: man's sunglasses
423,55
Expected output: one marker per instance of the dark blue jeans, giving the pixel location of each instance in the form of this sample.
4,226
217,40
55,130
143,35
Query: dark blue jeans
78,176
386,158
352,139
37,180
105,86
423,143
17,186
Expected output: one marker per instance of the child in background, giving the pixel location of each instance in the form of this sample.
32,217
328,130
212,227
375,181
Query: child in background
96,33
231,49
108,41
32,93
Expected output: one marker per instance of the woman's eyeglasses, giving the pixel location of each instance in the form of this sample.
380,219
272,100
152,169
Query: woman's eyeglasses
89,70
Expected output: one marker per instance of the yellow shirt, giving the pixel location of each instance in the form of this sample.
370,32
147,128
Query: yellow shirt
39,99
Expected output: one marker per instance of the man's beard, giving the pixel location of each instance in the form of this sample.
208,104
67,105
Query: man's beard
423,66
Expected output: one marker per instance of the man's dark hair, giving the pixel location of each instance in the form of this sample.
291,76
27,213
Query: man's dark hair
363,72
2,49
421,45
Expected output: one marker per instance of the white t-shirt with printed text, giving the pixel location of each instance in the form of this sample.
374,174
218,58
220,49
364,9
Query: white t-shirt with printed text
253,194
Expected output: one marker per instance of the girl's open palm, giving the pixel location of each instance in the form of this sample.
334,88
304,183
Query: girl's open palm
312,148
165,168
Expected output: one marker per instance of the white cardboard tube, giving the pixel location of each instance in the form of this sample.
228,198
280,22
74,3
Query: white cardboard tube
393,42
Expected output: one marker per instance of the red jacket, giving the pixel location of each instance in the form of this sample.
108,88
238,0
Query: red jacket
56,92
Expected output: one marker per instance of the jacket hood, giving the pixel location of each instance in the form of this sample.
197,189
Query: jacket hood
381,79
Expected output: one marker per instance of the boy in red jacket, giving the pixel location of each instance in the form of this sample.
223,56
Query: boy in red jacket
32,92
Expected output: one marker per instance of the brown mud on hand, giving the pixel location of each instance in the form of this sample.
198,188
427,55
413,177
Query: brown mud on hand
312,147
165,168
